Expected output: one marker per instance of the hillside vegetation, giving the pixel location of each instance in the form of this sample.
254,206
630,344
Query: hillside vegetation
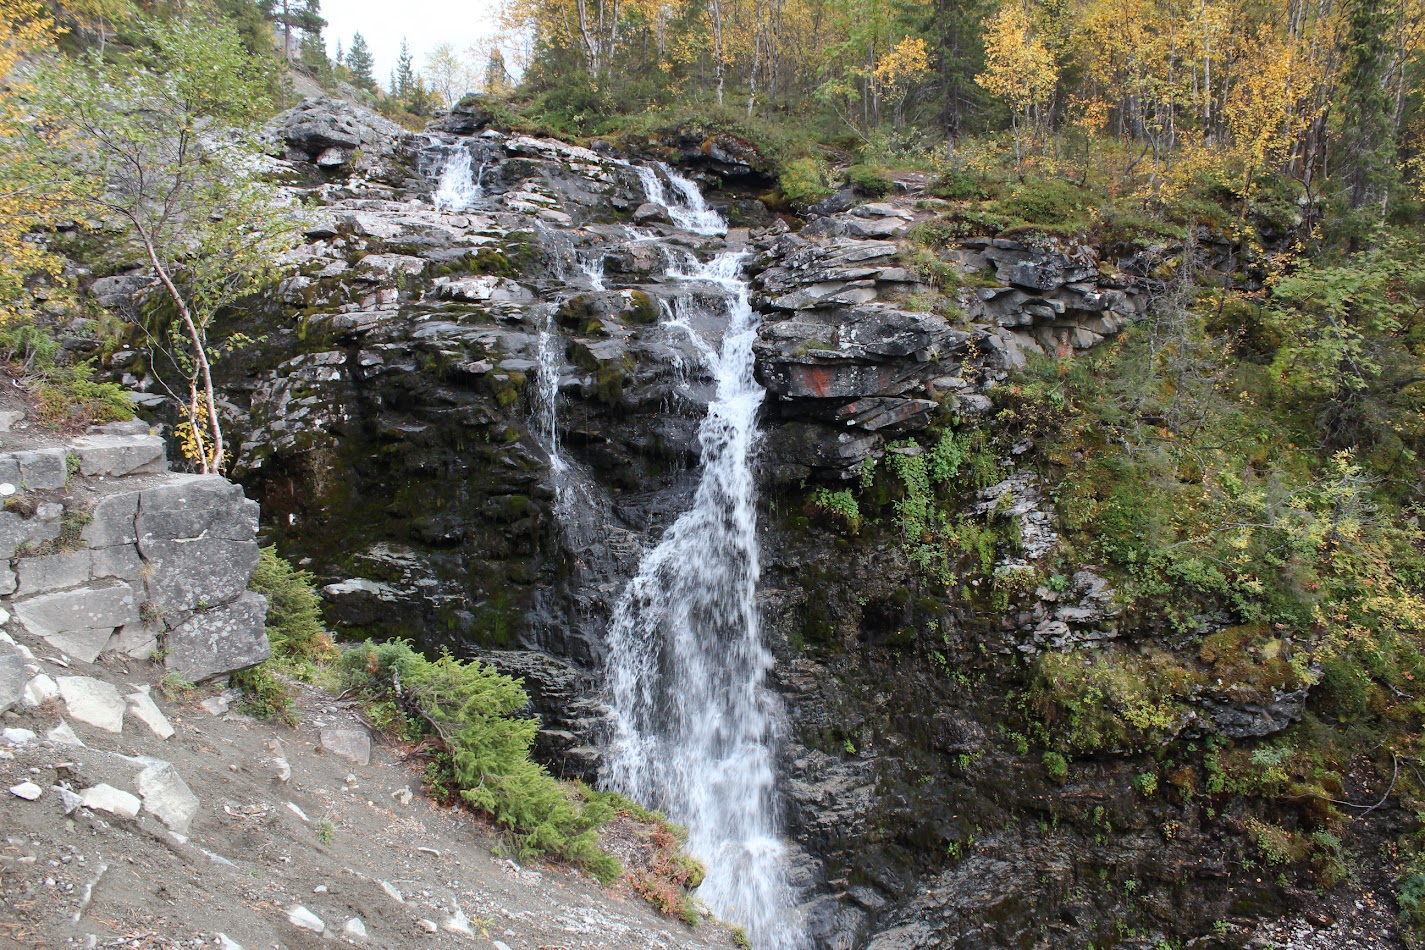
1244,465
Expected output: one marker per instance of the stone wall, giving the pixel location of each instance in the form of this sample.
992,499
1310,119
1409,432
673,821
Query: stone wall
106,550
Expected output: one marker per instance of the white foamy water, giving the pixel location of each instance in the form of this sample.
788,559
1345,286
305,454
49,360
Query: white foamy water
457,188
696,725
685,204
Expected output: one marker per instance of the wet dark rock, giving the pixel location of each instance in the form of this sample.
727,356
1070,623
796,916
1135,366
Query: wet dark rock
468,116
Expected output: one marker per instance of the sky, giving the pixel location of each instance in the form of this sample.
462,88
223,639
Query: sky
425,23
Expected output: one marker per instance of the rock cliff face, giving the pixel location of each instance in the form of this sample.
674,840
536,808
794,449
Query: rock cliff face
477,404
105,550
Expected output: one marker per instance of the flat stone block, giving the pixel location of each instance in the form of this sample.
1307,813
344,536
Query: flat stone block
145,710
121,561
39,575
13,679
352,744
220,640
113,800
79,621
112,521
93,701
167,796
43,469
114,455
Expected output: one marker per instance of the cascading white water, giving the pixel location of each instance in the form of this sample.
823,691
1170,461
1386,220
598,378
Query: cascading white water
457,188
687,208
549,357
593,268
695,723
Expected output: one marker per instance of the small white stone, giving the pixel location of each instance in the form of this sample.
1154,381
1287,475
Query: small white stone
64,735
298,812
355,928
319,889
145,710
29,791
7,489
457,923
39,690
403,795
17,737
215,705
301,917
501,945
224,942
391,892
113,800
427,925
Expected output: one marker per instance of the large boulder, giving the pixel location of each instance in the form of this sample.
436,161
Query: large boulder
469,116
331,131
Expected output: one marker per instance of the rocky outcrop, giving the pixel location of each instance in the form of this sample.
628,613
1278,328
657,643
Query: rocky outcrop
331,132
105,550
395,421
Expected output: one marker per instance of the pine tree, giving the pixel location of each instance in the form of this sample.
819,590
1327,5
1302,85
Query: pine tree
303,16
340,58
403,83
1369,138
360,62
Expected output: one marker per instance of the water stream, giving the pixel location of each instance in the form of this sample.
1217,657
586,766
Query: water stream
685,205
695,723
459,187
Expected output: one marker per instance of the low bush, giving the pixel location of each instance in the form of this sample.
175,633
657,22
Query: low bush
803,182
869,180
470,708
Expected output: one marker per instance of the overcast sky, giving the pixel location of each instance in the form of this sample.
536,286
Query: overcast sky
425,23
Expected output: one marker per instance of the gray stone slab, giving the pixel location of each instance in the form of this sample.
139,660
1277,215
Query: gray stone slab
166,796
121,561
93,701
17,531
114,455
113,800
43,469
112,521
220,640
197,574
137,640
13,677
40,575
352,744
96,607
197,506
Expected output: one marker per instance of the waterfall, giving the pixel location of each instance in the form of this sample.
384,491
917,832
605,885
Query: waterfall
686,207
695,723
593,268
458,189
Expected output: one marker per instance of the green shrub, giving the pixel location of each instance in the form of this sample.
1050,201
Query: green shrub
1056,765
471,709
803,182
265,695
294,613
960,185
840,505
869,180
1050,203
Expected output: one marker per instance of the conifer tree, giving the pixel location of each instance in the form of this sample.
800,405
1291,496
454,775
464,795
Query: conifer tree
361,63
403,82
1370,136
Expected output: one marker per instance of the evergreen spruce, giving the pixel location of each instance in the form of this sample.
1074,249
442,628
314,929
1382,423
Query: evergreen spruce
361,63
